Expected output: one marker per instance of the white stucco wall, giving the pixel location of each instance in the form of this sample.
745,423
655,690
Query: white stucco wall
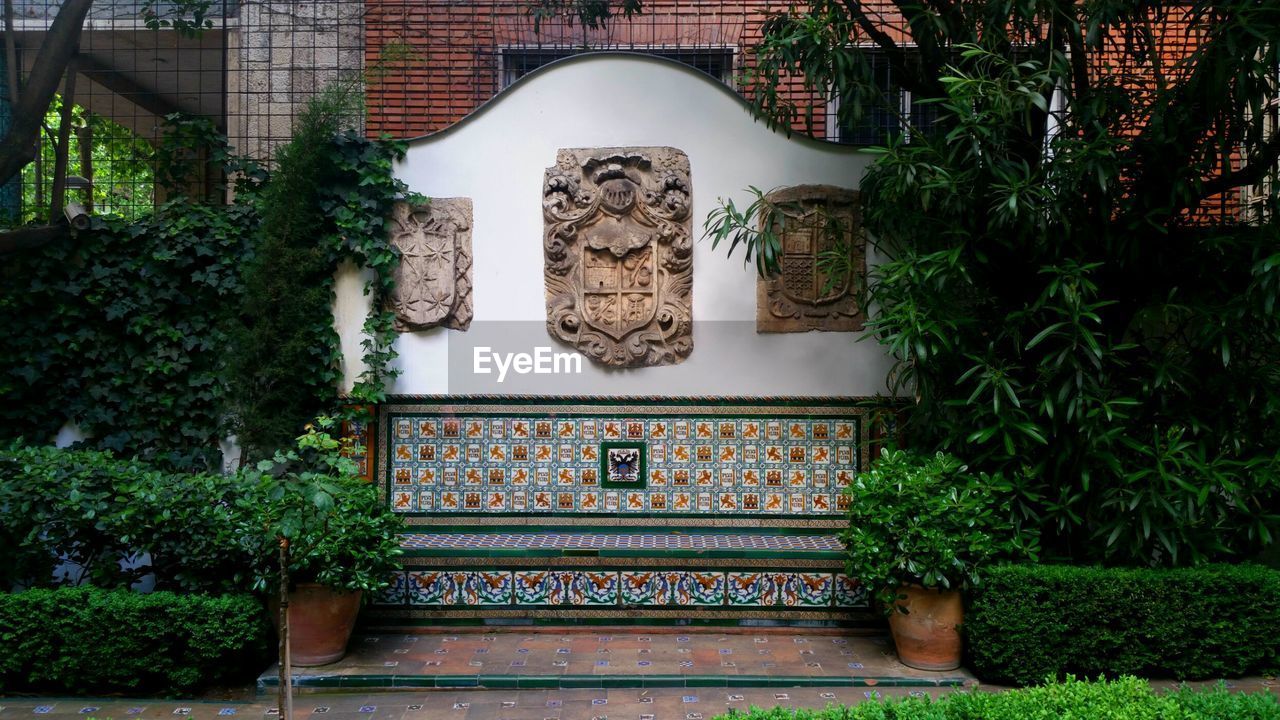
497,157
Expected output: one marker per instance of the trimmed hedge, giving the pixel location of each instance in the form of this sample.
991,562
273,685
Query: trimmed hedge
1124,699
86,510
87,640
1031,622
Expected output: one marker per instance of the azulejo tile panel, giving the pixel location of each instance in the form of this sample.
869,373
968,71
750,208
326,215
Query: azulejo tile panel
623,588
656,457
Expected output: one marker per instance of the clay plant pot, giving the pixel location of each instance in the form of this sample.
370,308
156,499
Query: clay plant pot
928,634
320,623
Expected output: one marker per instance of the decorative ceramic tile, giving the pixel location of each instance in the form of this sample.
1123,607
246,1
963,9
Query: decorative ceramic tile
809,589
397,592
633,588
806,452
849,592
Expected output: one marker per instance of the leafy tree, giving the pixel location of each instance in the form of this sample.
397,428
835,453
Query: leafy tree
117,153
1071,292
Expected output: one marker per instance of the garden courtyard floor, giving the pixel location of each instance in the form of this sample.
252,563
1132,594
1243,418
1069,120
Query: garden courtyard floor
568,674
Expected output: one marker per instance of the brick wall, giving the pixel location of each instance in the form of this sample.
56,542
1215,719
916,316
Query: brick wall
443,59
438,60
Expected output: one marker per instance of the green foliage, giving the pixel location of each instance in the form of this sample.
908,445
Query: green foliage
327,201
1124,699
928,520
123,331
1029,622
1046,295
160,334
91,641
591,14
88,511
188,18
120,157
337,531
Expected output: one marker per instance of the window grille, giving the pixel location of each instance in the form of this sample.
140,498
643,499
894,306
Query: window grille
520,61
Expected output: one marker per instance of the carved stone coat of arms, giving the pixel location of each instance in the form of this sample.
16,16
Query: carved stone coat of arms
433,281
812,220
619,255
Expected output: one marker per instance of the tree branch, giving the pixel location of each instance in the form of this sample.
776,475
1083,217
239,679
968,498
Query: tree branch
17,148
907,74
32,237
1262,161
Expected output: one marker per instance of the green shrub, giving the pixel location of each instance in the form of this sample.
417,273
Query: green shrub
338,531
928,520
1124,699
1029,622
88,640
89,510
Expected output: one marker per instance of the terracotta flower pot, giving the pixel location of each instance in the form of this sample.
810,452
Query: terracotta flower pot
928,635
320,623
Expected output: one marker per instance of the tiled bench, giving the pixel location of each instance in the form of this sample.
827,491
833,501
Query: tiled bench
516,515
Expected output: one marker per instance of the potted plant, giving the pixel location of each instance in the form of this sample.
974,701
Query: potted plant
320,538
920,531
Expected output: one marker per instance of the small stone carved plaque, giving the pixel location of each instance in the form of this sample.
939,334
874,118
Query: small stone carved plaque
813,220
619,255
433,281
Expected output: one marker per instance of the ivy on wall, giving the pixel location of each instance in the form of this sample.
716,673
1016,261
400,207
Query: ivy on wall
123,331
161,335
327,202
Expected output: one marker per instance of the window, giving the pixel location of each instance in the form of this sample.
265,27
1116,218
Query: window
882,120
1258,196
520,61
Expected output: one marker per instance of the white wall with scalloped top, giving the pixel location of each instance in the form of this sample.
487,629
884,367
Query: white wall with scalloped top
497,157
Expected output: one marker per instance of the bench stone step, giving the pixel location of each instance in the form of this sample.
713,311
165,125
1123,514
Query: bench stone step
612,658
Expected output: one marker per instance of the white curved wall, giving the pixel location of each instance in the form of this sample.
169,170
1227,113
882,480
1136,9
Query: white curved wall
497,158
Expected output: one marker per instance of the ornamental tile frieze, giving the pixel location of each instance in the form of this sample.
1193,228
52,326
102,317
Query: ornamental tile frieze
709,461
619,254
433,280
812,221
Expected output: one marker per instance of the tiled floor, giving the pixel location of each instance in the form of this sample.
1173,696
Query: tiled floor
557,659
634,704
629,704
696,676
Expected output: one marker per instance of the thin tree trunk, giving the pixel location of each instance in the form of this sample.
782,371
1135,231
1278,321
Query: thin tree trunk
84,138
39,173
51,60
284,699
57,199
10,53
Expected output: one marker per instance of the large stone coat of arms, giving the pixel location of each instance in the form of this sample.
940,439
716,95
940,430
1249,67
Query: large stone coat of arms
811,221
433,280
619,255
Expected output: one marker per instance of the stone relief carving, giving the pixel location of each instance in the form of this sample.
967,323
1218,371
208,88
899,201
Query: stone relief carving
433,281
815,219
619,254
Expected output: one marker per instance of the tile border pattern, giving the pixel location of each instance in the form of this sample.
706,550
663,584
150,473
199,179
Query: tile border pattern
622,589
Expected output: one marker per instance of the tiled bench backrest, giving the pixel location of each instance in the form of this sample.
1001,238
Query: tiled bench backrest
735,461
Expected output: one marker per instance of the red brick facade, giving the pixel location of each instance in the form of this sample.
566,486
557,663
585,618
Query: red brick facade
441,59
445,58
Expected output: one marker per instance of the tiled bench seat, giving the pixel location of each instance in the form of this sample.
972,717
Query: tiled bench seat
556,574
616,510
573,542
